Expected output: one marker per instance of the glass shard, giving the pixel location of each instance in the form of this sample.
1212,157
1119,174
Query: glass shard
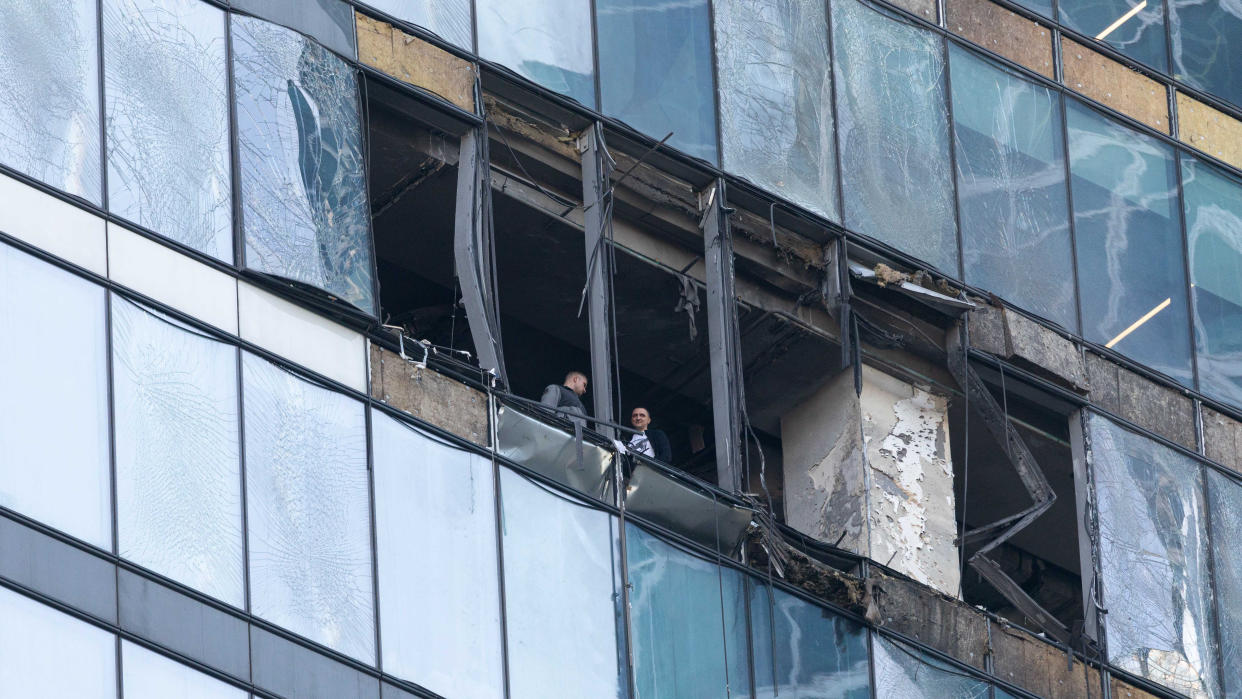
548,41
804,651
448,18
902,671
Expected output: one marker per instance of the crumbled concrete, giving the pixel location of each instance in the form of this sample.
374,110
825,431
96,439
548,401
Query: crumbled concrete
1148,404
941,622
429,396
1039,667
1124,690
987,330
1102,376
1044,350
1222,437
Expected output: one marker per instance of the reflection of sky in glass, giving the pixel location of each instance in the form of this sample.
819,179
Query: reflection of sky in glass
548,41
1225,503
817,653
450,19
1206,36
1136,31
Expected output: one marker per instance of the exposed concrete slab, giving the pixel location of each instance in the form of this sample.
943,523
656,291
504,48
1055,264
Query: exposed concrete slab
1222,436
987,330
1040,668
429,396
1124,690
1146,403
945,624
1011,335
1102,375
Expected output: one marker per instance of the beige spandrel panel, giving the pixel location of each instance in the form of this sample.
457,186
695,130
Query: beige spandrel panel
1209,129
1021,40
1115,85
416,62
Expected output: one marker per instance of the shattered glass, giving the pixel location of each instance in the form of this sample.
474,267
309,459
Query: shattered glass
450,19
1131,272
308,509
548,41
1225,504
810,652
893,123
901,672
439,592
146,674
304,201
1153,560
330,22
168,120
1011,188
1205,38
655,70
47,653
563,591
1213,202
178,474
776,124
1133,28
49,94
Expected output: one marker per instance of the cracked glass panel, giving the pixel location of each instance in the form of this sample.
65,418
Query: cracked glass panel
809,653
893,124
49,94
47,653
1225,504
1153,560
450,19
435,530
53,384
687,622
1205,39
330,22
304,201
1213,202
1011,188
563,591
168,120
902,671
1133,27
1131,271
146,674
655,70
308,509
178,475
776,98
548,41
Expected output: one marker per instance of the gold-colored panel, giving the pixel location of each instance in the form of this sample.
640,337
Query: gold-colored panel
923,8
1000,31
414,61
1110,83
1209,129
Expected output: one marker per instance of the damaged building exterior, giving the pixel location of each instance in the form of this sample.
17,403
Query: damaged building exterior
938,302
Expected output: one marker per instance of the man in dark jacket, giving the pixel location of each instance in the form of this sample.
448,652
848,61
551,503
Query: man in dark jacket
653,443
566,396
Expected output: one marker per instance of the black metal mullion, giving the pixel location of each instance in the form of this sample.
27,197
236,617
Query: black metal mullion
373,527
959,234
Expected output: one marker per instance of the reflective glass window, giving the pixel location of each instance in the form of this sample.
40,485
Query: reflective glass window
49,94
146,674
548,41
1153,559
450,19
893,122
655,70
776,124
1133,28
903,671
168,120
1131,269
53,384
435,529
47,653
330,22
1225,504
563,591
1011,187
178,474
1205,39
804,651
305,215
308,509
1213,202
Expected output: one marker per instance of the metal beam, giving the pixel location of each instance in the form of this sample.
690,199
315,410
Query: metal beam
472,255
597,168
722,338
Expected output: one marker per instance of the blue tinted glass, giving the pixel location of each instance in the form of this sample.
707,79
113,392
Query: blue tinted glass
655,64
1213,204
1133,27
1206,36
1043,7
548,41
802,650
894,133
1225,504
903,671
1011,188
1131,271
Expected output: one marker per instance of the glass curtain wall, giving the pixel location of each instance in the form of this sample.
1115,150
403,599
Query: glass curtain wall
1134,28
46,653
547,41
1205,35
801,650
450,19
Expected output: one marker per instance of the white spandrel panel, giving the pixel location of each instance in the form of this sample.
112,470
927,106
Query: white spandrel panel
302,336
47,653
148,675
53,225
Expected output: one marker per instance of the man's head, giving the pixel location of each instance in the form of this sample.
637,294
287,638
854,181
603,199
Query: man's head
640,418
576,381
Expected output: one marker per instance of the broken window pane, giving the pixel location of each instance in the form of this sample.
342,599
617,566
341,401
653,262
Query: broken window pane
304,201
178,476
810,652
563,594
687,622
1011,187
308,511
53,385
1213,202
1206,36
168,120
655,70
46,653
330,22
450,19
894,133
1131,270
548,41
1225,504
1133,28
776,98
148,675
1153,559
902,671
435,530
49,94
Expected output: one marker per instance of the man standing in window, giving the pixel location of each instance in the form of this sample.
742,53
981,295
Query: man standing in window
653,443
566,396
